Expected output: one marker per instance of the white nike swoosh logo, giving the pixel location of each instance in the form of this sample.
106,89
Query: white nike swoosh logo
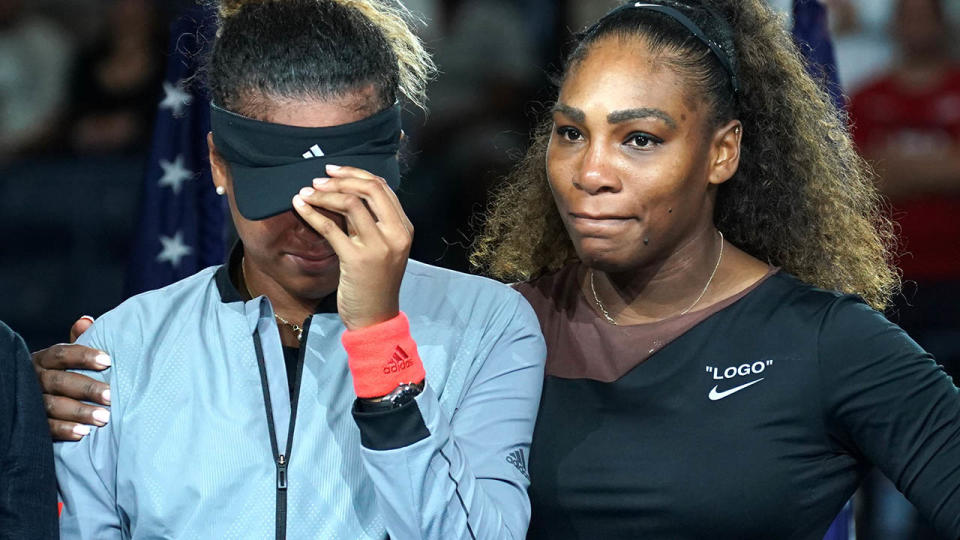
714,395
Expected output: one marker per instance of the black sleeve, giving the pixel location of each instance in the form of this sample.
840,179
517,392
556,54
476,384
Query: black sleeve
887,401
390,429
28,491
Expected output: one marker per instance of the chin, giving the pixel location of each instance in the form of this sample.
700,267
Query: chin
314,287
605,255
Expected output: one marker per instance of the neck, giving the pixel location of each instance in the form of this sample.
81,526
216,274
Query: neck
663,288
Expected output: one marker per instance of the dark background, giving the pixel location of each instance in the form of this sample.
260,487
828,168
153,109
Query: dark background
71,180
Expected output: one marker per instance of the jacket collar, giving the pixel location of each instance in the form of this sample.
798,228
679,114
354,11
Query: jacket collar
227,276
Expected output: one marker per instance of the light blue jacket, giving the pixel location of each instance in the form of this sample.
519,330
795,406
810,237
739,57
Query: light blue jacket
187,452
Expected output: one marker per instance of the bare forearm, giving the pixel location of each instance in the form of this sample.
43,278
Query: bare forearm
902,176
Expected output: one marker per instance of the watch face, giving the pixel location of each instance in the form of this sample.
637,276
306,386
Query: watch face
405,393
400,396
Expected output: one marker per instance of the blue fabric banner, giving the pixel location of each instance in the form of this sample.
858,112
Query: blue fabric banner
182,219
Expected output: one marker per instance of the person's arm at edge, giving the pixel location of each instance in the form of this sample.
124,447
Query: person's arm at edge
28,490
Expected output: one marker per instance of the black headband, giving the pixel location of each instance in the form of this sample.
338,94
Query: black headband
725,57
270,163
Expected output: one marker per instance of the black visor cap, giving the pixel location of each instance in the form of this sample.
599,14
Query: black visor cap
270,163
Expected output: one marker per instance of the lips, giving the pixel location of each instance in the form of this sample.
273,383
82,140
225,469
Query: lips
599,224
314,255
315,260
598,217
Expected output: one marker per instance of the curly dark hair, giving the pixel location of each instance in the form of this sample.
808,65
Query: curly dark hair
802,199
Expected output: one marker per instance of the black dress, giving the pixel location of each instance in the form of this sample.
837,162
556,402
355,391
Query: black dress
28,488
759,421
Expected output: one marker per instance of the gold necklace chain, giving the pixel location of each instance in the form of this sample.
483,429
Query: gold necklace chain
297,329
293,326
596,299
611,320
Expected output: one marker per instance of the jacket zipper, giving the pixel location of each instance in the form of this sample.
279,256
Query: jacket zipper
282,461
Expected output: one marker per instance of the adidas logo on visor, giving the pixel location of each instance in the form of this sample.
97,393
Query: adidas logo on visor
314,151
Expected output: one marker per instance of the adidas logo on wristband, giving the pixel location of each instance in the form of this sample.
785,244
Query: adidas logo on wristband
398,362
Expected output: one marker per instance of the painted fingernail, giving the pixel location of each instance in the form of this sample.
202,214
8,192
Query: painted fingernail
106,395
317,182
307,191
89,318
103,359
81,430
101,415
298,202
333,167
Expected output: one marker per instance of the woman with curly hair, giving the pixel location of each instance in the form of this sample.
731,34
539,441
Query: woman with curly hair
705,252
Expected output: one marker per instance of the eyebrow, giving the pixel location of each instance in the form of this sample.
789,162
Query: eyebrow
576,114
633,114
617,117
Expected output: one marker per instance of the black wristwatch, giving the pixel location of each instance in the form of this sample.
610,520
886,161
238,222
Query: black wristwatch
400,396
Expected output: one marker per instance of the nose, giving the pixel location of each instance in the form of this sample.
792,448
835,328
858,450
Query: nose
596,173
300,227
304,230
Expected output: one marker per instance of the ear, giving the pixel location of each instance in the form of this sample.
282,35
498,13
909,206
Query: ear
725,152
218,167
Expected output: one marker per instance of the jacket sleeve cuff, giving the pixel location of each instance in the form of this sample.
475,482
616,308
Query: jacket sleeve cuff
389,430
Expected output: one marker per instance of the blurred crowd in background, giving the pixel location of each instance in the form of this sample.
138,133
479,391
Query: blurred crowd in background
80,81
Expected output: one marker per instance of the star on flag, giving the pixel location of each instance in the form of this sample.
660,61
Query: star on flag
174,174
175,98
173,249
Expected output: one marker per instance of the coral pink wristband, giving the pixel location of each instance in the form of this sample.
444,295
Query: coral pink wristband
382,357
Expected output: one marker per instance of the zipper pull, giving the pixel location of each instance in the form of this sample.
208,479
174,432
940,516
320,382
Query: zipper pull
281,472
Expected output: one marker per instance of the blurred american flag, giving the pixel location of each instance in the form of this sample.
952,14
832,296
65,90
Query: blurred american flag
182,220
